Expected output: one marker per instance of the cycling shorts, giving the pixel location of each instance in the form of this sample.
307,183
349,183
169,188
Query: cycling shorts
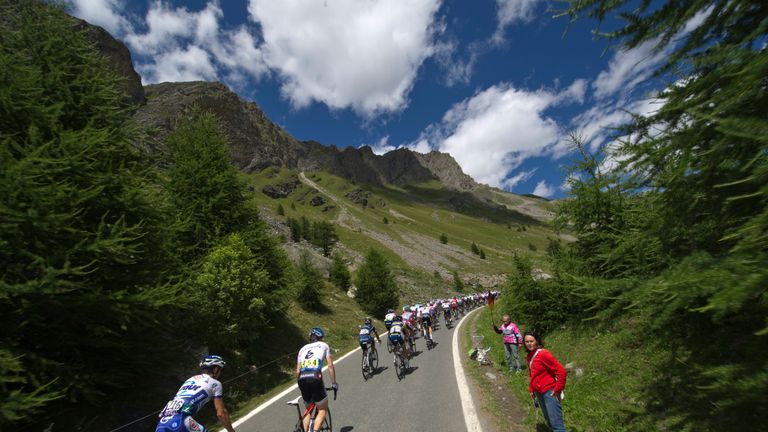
366,345
426,320
312,390
396,338
179,423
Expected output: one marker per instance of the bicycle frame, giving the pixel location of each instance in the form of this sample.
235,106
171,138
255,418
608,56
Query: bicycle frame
309,410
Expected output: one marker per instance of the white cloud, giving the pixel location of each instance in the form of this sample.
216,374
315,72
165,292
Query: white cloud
347,53
494,131
190,64
104,13
510,182
381,146
628,68
509,12
544,190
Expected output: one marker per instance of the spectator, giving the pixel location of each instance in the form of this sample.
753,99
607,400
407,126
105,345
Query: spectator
547,381
512,341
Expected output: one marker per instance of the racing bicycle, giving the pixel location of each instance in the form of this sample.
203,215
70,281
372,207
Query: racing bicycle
370,361
312,411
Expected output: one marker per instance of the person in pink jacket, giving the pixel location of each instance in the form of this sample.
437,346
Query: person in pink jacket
547,381
512,342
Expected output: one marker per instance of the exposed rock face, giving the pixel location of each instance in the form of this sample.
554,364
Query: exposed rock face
118,59
282,190
445,168
317,201
255,141
359,196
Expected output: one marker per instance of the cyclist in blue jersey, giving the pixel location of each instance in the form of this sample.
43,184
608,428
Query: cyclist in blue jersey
193,394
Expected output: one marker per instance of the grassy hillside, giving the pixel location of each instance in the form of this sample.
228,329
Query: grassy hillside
405,224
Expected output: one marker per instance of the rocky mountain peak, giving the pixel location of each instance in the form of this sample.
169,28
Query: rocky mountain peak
255,141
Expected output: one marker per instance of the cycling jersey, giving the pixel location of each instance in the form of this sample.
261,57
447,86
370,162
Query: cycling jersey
311,359
192,395
388,319
396,330
366,333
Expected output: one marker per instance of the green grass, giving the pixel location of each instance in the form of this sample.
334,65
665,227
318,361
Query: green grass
607,397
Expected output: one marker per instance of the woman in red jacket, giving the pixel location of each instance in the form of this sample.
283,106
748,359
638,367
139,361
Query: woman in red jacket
547,380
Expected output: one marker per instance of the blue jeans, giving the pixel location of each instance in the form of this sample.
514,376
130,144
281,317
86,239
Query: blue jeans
511,350
553,412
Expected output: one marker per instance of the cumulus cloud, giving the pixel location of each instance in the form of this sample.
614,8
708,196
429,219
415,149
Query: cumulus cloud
493,132
347,53
104,13
509,12
381,146
544,190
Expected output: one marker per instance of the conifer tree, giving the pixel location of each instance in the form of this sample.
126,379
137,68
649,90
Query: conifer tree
376,287
82,240
308,282
339,274
204,185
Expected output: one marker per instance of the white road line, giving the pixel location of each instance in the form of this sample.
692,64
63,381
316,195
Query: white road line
282,394
470,414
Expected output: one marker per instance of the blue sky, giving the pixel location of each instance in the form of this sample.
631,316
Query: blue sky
496,84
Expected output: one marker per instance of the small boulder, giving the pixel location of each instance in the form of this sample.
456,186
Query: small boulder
317,200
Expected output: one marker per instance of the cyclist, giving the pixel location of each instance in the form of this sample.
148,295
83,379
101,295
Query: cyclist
367,331
426,322
447,311
388,318
398,334
455,307
193,394
309,372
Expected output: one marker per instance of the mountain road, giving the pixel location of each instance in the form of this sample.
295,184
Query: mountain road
427,399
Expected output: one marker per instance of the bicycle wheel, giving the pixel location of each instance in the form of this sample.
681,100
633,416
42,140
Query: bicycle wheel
398,367
389,345
373,361
364,366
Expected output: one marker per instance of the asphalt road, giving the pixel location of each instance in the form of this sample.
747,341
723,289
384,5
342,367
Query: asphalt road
425,400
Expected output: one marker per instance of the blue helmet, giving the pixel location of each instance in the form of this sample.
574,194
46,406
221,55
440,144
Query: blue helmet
211,361
316,332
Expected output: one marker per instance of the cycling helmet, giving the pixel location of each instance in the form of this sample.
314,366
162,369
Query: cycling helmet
317,332
389,311
211,361
368,321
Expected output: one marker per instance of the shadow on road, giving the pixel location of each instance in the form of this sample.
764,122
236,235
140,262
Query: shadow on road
410,370
347,428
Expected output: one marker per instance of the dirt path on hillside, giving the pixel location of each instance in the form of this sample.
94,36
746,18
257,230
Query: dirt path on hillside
419,250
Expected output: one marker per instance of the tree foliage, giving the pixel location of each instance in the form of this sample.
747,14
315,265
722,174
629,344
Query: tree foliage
339,273
675,238
229,290
309,281
376,287
82,241
203,184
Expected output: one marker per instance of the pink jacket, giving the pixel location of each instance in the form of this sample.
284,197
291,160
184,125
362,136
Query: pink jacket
511,333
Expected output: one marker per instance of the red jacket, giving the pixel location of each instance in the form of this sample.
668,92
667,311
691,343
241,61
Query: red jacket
545,372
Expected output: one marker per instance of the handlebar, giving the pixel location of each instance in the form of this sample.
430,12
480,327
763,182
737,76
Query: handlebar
334,391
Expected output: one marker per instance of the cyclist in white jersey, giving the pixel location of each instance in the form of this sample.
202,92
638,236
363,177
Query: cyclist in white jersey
309,372
193,394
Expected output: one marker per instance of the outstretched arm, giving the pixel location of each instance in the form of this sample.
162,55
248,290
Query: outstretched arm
223,414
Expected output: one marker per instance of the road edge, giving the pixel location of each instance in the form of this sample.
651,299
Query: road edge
467,404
